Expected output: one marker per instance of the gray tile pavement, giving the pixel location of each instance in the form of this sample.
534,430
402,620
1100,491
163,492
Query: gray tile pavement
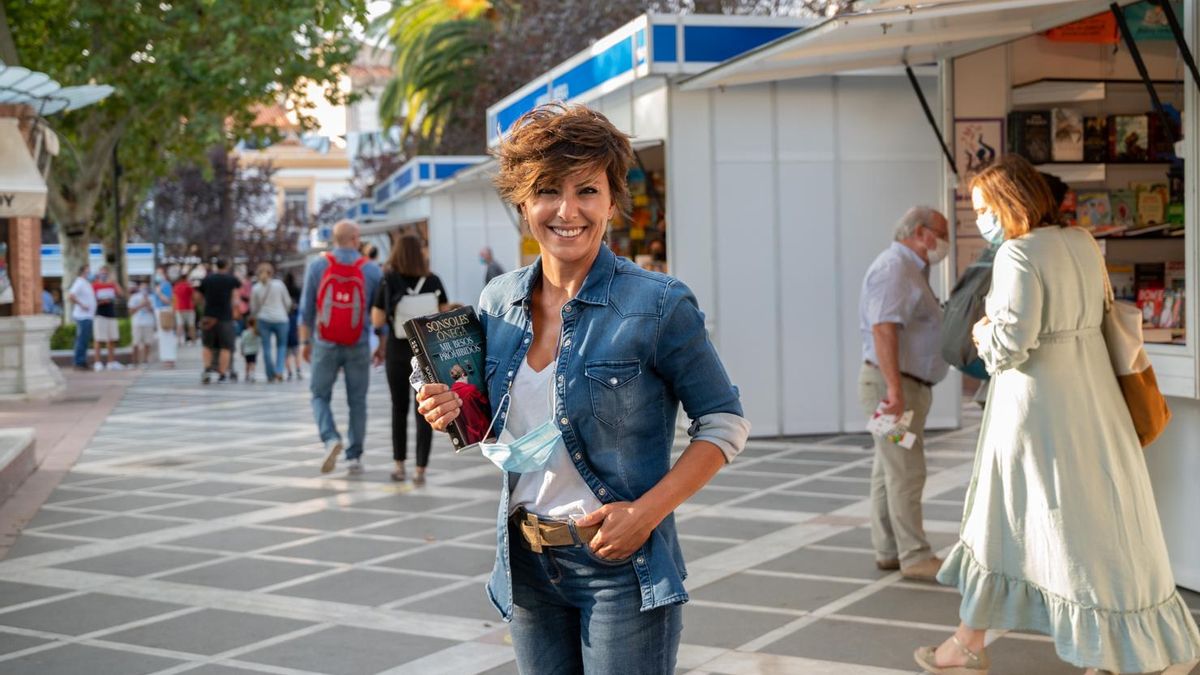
195,535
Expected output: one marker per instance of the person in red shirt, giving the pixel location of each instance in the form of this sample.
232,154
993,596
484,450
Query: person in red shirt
105,329
185,309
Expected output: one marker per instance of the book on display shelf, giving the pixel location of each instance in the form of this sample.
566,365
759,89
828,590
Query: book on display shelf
1123,206
449,348
1093,211
1128,138
1068,135
1095,139
1149,287
1029,135
1121,277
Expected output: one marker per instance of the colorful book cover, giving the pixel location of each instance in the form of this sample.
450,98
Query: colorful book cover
1093,210
1067,208
1095,139
1068,135
1149,284
449,346
1128,138
1121,276
1123,204
1151,208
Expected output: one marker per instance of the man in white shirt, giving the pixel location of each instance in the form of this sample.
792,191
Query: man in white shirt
900,321
83,311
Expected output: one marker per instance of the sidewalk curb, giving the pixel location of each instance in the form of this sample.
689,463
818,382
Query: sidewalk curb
54,460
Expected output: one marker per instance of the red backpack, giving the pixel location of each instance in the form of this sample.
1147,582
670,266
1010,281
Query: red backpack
342,302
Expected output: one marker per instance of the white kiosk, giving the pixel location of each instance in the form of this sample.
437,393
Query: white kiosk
777,197
994,59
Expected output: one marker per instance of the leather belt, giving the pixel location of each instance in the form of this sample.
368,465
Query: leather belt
538,533
914,378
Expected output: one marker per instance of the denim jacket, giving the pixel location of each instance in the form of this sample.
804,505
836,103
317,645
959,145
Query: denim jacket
633,347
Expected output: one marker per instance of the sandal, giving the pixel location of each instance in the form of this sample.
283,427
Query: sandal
977,664
419,477
398,474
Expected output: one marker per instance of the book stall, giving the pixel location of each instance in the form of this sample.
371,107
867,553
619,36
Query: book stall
1102,100
754,196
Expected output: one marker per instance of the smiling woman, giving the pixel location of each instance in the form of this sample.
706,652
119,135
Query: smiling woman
601,353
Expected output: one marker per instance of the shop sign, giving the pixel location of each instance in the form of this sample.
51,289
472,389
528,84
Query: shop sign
1100,29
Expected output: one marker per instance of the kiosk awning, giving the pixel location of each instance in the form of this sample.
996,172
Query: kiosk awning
22,190
896,36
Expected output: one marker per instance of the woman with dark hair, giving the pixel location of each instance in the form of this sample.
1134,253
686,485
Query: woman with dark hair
588,359
292,362
408,290
1060,534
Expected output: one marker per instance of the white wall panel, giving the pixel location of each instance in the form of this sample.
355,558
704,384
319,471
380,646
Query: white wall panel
743,120
691,235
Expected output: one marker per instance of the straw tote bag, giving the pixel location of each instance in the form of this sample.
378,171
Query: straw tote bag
1122,329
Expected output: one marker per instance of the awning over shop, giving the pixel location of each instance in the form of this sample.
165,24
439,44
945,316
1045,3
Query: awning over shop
22,190
45,95
896,36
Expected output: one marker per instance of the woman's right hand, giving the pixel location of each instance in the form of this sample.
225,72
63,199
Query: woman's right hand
438,405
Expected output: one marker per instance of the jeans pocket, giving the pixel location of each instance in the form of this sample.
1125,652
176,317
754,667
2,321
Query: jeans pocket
612,385
607,562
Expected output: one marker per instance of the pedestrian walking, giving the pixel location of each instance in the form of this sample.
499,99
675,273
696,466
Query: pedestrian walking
164,312
143,323
251,341
292,361
270,304
591,356
1060,534
185,309
220,291
83,313
408,290
334,325
900,323
105,330
492,269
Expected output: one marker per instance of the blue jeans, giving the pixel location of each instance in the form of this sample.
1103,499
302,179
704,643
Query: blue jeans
83,340
576,613
355,362
273,361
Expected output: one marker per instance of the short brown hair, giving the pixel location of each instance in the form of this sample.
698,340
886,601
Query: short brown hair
1018,194
554,141
408,258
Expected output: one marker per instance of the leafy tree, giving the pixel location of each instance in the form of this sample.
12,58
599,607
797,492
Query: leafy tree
187,75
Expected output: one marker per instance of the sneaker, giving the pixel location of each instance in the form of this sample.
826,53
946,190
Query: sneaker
289,376
926,570
250,379
354,466
206,377
222,380
98,367
299,375
333,448
116,365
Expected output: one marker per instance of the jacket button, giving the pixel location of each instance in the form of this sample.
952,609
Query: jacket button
567,342
641,559
526,340
560,378
564,421
567,308
613,381
579,455
510,373
601,492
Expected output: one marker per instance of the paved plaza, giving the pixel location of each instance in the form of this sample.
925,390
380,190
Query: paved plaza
195,535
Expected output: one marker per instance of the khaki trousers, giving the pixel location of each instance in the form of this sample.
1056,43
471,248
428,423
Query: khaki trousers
898,475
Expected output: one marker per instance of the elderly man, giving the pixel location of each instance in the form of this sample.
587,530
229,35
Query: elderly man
493,268
900,320
334,335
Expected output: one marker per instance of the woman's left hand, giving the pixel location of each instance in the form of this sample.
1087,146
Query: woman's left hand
982,323
624,527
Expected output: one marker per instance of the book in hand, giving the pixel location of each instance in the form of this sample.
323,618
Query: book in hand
449,347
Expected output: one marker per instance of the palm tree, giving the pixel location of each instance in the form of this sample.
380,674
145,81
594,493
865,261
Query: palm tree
439,46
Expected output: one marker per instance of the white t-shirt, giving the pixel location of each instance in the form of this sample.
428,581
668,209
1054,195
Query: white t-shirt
556,490
143,309
85,296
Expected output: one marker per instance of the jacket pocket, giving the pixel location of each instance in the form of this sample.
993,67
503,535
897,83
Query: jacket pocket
612,384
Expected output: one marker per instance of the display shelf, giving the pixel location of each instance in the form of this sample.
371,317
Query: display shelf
1088,172
1060,91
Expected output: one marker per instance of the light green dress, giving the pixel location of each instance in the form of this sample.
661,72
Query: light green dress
1061,534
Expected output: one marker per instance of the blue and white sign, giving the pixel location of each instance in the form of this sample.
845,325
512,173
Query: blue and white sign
652,44
420,171
139,259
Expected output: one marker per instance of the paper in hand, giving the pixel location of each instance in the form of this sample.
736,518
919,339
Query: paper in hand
894,430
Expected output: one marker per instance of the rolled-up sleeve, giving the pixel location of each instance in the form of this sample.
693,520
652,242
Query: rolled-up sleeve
689,363
1014,311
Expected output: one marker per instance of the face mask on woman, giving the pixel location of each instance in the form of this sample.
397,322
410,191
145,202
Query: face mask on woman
989,227
528,453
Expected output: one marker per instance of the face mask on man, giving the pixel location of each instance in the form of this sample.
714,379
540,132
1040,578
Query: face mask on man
939,251
989,227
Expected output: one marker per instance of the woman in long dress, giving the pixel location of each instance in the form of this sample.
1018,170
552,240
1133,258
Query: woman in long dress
1060,534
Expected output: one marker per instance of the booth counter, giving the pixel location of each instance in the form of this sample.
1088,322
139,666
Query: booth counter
1008,84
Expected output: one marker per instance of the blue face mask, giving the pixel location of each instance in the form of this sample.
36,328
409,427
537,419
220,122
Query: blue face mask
528,453
989,227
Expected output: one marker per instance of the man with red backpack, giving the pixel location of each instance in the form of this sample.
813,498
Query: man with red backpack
335,310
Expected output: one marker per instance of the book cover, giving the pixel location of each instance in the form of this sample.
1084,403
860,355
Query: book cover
1149,283
1128,138
1067,208
1121,276
1095,139
1123,205
1093,210
1030,135
450,348
1151,209
1161,146
1068,135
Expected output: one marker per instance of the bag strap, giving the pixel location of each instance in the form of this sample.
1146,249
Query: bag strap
416,290
1109,296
